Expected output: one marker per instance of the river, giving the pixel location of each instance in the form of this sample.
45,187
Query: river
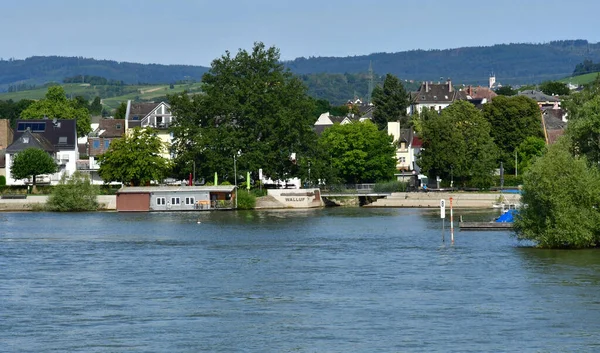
328,280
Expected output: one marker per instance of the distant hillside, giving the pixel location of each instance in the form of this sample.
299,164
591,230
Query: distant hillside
511,63
331,78
39,70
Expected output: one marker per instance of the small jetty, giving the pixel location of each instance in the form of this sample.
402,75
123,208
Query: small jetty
485,225
504,222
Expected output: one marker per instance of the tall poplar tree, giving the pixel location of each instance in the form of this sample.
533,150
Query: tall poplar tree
391,101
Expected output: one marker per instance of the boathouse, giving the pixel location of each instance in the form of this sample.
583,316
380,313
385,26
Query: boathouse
175,198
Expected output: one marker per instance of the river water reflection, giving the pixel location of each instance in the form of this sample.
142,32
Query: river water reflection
333,280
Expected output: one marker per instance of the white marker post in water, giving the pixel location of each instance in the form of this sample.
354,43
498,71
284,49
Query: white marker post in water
443,216
451,223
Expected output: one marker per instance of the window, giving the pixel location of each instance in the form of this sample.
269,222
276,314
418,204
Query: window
402,160
118,126
62,140
106,144
160,201
96,144
189,201
174,200
135,117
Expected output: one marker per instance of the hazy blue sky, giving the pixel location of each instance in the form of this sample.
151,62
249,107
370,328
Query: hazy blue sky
197,31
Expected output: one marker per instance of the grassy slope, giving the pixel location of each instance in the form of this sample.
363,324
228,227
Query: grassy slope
579,80
136,93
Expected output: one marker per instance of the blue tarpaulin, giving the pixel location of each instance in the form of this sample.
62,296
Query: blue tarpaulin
507,217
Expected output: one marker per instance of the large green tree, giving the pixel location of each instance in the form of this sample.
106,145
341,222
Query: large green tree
584,128
561,197
391,101
457,144
135,159
506,91
555,88
512,119
56,105
359,152
530,149
251,107
32,162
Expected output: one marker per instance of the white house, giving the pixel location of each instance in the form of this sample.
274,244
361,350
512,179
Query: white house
408,147
155,115
57,137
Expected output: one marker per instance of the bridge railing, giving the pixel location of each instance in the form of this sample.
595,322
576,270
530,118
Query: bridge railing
348,188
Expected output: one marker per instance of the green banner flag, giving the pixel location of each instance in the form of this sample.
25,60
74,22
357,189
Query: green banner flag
216,179
248,180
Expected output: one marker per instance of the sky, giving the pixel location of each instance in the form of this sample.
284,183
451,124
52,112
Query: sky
195,32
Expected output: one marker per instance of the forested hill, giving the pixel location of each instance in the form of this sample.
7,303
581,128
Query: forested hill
511,63
39,70
336,78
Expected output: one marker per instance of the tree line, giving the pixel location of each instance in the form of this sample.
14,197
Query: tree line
586,67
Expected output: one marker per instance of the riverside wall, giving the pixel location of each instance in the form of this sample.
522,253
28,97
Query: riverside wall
432,199
107,202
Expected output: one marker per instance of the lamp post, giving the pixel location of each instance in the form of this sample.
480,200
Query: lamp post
451,176
235,176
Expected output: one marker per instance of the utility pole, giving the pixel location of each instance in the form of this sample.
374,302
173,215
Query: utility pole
371,83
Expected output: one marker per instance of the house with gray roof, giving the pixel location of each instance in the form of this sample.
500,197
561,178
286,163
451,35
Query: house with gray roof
543,100
58,137
434,96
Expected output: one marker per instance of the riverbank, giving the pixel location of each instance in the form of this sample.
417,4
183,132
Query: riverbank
395,200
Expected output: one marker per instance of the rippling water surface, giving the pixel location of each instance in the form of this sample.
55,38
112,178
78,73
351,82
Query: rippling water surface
334,280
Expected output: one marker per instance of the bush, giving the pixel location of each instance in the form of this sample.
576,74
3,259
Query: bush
2,180
246,200
74,194
259,192
561,194
391,186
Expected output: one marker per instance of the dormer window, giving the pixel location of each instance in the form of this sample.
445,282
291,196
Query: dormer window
62,140
118,126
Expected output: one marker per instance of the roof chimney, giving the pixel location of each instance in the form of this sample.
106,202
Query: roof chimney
449,85
426,86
